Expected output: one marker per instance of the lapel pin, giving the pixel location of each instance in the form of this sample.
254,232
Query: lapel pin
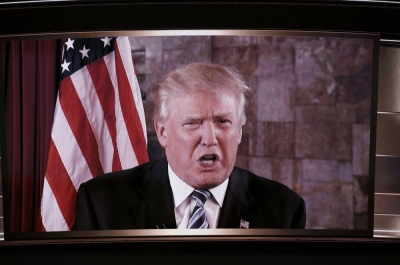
244,224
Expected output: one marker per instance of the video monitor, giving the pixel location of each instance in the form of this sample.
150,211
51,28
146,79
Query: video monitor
275,128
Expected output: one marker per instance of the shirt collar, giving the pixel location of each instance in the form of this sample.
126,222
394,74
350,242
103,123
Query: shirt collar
181,190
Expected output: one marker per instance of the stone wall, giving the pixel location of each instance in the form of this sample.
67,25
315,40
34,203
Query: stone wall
308,115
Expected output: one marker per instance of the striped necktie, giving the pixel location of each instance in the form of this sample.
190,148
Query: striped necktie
198,219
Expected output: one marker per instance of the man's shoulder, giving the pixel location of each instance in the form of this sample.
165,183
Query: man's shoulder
261,187
133,177
274,204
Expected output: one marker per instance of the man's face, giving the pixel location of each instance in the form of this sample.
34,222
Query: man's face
201,135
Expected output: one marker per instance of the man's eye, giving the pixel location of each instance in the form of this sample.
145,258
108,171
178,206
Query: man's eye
223,121
191,125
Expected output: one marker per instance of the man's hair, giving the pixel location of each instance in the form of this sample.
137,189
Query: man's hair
196,77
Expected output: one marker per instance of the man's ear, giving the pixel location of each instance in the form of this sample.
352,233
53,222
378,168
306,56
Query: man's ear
161,133
240,132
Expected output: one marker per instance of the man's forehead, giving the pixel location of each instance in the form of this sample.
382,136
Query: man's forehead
202,111
204,96
209,92
195,103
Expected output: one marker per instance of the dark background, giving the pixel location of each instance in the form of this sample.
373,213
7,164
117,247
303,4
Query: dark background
376,17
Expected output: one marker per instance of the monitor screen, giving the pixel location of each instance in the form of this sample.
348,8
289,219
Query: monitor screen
275,127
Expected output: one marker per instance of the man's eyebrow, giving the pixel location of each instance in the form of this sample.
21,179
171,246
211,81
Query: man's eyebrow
223,114
217,115
193,118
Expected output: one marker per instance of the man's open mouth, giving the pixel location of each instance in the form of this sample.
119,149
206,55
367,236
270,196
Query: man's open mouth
208,160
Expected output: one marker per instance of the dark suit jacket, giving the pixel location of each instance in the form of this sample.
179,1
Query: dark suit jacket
141,198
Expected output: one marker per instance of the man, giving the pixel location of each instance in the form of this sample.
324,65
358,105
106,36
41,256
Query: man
199,114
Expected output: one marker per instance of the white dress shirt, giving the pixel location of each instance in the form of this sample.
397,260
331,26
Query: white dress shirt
184,203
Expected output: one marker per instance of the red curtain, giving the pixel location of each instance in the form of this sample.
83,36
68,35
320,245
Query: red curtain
31,82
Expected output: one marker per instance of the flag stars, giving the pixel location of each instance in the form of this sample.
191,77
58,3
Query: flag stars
70,43
106,41
65,65
84,52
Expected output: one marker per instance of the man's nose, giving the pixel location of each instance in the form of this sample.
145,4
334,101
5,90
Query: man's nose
209,137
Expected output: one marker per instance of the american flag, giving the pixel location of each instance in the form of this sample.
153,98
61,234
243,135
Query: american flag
99,124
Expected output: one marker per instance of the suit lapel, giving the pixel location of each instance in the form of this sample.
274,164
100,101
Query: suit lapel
157,207
157,210
236,202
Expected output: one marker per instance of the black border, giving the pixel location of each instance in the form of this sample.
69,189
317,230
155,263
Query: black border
88,16
84,16
227,234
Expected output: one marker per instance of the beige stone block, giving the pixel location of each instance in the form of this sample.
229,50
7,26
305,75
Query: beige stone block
262,132
139,61
337,56
313,122
329,205
248,128
251,100
277,62
154,149
280,141
172,59
243,148
243,59
186,42
356,91
361,141
234,41
315,90
242,161
360,192
344,141
345,112
326,171
350,57
360,221
148,85
148,107
283,170
265,40
315,113
363,111
258,137
181,50
260,166
345,172
315,140
315,74
274,100
353,90
152,48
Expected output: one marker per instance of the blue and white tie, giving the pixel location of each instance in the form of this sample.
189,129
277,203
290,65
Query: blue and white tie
198,219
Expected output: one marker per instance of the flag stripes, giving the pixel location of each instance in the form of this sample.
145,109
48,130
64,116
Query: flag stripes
73,118
125,150
94,114
61,185
129,100
68,149
101,81
98,126
50,211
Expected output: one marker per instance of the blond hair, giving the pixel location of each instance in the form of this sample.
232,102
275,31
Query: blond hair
199,77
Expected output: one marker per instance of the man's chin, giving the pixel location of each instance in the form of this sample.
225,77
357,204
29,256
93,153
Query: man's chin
208,181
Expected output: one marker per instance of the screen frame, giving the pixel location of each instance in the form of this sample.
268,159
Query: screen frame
214,234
